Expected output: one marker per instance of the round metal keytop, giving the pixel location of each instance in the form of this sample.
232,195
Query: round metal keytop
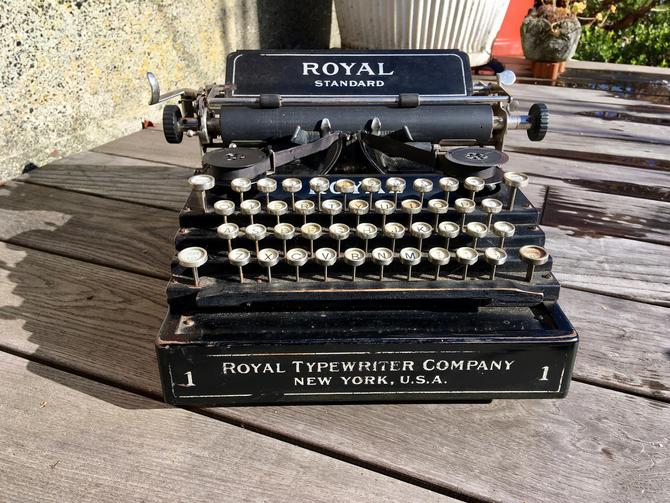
384,207
421,231
448,184
229,232
291,185
240,185
422,186
255,232
410,257
533,255
354,257
411,207
201,182
466,256
395,185
476,230
331,207
297,257
448,230
359,207
277,208
305,207
492,207
193,258
515,181
371,186
339,232
439,257
474,184
284,232
394,230
250,207
225,208
239,257
495,257
345,186
325,257
382,257
503,230
311,232
268,258
366,232
319,184
464,206
438,207
266,185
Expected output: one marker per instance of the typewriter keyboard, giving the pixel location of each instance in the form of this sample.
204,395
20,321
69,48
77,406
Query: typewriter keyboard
331,237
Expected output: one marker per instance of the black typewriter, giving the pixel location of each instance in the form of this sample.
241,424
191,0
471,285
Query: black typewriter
351,236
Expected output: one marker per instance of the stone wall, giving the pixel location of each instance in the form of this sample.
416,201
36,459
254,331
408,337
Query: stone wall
73,72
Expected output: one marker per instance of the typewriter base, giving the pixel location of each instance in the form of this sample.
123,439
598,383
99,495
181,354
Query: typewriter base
310,357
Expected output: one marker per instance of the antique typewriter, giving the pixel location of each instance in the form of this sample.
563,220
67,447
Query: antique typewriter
352,236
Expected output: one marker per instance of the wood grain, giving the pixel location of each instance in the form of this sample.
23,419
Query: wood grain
123,235
103,323
66,438
150,145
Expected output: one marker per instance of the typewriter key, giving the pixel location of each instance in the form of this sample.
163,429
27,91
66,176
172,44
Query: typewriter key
305,207
421,231
311,232
359,207
331,207
255,232
319,184
422,186
268,258
492,207
495,257
384,207
292,185
225,208
239,257
466,256
439,257
325,257
394,230
366,232
464,206
438,207
448,230
200,184
395,185
345,186
250,207
354,257
533,256
284,232
277,208
240,185
448,185
339,232
474,184
411,207
297,257
476,230
382,257
371,186
229,232
503,230
267,186
193,258
515,181
410,257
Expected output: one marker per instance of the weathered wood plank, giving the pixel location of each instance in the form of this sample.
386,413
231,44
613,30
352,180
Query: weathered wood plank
613,266
128,236
150,145
90,158
150,184
593,435
586,212
66,438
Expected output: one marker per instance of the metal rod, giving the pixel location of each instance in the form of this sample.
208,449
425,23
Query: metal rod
358,101
196,278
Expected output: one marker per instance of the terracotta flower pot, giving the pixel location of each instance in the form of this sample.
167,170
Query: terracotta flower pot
468,25
543,41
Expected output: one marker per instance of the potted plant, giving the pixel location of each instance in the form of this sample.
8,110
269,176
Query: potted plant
468,25
550,34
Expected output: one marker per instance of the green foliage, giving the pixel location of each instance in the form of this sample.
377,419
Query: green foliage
645,42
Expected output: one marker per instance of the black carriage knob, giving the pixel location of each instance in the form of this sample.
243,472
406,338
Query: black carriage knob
539,122
171,127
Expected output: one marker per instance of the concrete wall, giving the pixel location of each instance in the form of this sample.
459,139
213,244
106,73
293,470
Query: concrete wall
72,73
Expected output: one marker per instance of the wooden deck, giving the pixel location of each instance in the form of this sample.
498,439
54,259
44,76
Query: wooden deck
85,245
